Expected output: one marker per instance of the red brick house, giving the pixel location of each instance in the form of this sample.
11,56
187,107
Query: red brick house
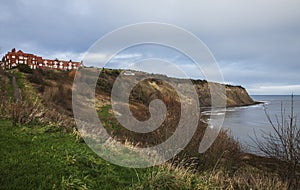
14,58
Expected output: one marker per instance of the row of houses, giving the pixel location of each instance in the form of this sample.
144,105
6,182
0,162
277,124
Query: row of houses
14,58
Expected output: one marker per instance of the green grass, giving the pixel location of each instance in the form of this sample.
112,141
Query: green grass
104,112
48,158
20,79
107,118
8,88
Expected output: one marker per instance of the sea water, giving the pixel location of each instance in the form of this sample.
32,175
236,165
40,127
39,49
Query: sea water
248,123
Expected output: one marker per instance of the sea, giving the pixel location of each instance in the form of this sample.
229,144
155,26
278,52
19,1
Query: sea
248,124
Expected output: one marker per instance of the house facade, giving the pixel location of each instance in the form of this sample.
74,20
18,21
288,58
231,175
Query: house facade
14,58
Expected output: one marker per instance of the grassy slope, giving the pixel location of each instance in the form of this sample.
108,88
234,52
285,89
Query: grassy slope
46,158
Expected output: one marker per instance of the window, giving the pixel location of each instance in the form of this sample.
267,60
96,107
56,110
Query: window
13,56
20,57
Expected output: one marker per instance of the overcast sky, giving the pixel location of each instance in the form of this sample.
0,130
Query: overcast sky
256,43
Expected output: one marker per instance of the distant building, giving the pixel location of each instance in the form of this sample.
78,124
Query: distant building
14,58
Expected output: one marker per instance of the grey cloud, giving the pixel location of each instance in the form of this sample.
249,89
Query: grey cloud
262,38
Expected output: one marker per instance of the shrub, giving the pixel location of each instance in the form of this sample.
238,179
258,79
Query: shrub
283,144
24,68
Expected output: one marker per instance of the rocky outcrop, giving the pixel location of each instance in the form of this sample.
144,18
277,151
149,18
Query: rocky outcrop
238,96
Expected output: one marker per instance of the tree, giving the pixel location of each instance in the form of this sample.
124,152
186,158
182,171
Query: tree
283,143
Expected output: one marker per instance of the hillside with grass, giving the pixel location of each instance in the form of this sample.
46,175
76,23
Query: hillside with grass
42,149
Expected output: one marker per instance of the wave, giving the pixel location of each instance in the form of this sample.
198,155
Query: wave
213,113
266,102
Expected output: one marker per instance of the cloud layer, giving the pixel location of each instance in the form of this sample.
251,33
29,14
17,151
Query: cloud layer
257,43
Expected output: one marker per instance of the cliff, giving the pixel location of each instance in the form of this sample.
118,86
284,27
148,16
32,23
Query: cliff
52,95
54,89
157,87
238,96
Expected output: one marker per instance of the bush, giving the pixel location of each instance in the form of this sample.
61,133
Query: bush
24,68
283,144
37,78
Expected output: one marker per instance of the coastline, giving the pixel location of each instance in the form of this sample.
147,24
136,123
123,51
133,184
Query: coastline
206,108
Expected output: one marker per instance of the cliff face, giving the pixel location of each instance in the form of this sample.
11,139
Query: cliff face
157,87
55,88
235,95
238,96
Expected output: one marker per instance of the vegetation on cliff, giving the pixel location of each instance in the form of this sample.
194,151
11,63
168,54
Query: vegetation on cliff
45,151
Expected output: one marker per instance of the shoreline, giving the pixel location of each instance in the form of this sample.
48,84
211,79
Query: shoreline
203,109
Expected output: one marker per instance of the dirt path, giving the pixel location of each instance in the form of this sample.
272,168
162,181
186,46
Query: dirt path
16,89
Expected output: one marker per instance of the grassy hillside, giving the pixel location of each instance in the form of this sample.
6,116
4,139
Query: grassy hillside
35,157
41,148
45,157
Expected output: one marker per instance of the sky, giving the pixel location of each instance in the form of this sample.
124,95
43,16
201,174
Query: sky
255,43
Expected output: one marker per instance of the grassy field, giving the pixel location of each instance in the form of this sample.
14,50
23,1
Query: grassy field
48,158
